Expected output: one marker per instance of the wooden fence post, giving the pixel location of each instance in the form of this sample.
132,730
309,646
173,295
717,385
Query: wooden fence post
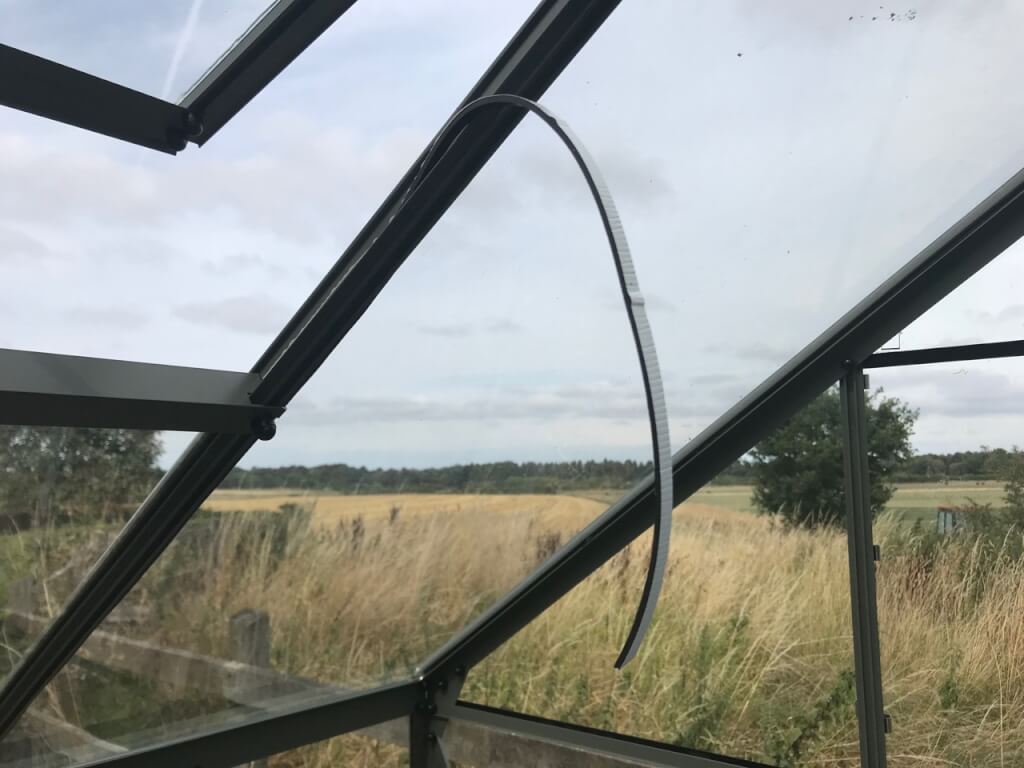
250,638
250,644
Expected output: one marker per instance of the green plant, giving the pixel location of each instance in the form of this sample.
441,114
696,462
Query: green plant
786,746
798,469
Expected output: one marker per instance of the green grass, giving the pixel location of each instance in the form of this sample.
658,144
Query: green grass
910,503
735,497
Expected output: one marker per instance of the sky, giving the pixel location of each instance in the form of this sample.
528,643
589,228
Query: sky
772,163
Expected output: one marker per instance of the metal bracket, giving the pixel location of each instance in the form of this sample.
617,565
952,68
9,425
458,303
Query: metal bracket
429,720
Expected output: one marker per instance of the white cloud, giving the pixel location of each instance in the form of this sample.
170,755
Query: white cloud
258,314
762,195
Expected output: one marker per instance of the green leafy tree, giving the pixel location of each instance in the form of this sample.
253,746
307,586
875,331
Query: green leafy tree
62,473
798,469
1015,489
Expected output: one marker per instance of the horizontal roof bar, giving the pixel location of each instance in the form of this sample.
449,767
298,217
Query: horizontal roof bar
284,31
988,351
45,390
43,87
272,732
581,740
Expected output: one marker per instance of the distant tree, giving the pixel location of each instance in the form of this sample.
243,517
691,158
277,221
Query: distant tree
1015,489
798,469
75,473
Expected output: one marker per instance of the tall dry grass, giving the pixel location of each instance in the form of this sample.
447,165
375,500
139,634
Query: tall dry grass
952,621
749,655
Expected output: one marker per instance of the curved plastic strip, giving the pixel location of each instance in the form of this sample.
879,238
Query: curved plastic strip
642,336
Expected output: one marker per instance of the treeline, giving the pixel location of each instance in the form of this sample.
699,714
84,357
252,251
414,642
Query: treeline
983,464
994,464
556,477
497,477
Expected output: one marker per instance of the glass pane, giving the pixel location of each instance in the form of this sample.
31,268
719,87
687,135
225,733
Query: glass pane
42,741
987,308
64,495
749,655
461,434
385,745
157,48
950,579
801,157
211,252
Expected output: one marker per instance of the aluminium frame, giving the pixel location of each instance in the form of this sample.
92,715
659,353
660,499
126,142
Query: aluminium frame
867,656
545,45
42,389
42,87
51,90
988,351
538,52
271,43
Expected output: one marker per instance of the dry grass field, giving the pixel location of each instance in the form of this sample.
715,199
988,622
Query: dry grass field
911,501
749,654
328,509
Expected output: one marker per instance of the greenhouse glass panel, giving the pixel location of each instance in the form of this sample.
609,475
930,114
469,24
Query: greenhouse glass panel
774,166
750,654
156,48
950,578
200,259
64,495
462,433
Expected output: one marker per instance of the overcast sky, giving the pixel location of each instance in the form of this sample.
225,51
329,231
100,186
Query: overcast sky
772,163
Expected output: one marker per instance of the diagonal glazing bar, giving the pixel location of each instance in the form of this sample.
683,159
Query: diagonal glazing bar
43,87
966,247
40,389
274,40
544,46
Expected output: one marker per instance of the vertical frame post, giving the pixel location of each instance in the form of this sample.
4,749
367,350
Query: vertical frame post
866,652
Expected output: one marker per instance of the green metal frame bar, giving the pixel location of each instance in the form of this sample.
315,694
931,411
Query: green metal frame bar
863,597
274,40
42,389
274,732
42,87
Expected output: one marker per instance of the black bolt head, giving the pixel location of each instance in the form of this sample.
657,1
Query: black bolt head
264,428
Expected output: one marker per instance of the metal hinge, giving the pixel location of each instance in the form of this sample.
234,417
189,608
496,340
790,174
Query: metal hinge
887,723
876,553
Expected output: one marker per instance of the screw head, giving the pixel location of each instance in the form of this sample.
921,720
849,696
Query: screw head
193,125
264,428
